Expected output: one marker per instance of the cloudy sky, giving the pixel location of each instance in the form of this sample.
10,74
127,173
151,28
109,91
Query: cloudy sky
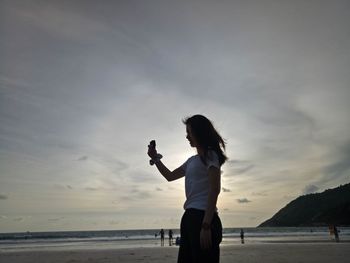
84,86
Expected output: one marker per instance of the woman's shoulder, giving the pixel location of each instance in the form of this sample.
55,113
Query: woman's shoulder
192,157
213,159
189,159
212,154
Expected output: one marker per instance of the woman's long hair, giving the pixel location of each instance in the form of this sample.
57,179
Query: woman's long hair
206,136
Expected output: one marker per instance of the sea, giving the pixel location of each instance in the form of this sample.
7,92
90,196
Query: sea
117,239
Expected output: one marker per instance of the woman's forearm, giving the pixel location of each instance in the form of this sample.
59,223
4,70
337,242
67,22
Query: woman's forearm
170,175
211,206
163,170
214,191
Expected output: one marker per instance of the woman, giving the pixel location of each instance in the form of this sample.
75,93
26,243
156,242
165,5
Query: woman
201,230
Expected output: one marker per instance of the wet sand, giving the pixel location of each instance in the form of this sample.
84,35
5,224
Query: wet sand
247,253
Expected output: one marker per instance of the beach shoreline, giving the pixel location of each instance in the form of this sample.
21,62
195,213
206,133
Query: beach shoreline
264,252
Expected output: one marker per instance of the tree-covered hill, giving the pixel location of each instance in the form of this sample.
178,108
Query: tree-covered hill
329,207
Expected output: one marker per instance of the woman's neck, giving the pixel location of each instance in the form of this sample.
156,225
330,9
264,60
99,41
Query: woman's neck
200,151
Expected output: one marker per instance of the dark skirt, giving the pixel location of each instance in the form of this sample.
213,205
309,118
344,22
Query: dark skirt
190,250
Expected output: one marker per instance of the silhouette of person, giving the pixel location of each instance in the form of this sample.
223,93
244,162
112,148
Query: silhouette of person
331,230
177,241
242,236
201,228
170,233
161,232
336,234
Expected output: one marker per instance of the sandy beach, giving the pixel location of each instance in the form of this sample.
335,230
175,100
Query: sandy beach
248,253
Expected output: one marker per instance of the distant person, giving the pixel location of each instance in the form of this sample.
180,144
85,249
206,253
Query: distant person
161,232
242,236
170,234
331,230
201,229
336,234
177,241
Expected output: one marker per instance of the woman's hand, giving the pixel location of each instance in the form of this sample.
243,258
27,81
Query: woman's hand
152,152
205,239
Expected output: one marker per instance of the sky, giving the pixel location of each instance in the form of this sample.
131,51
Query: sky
85,85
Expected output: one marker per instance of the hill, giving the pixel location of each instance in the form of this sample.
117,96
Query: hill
320,209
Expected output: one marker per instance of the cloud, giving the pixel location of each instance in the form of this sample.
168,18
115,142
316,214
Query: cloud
91,188
266,88
136,195
115,165
309,189
243,200
259,194
238,167
61,21
3,197
148,177
244,169
63,187
341,167
83,158
142,195
225,189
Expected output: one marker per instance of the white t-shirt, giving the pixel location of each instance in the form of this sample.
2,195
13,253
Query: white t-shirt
197,180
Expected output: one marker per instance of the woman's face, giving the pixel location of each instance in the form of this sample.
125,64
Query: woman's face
190,137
